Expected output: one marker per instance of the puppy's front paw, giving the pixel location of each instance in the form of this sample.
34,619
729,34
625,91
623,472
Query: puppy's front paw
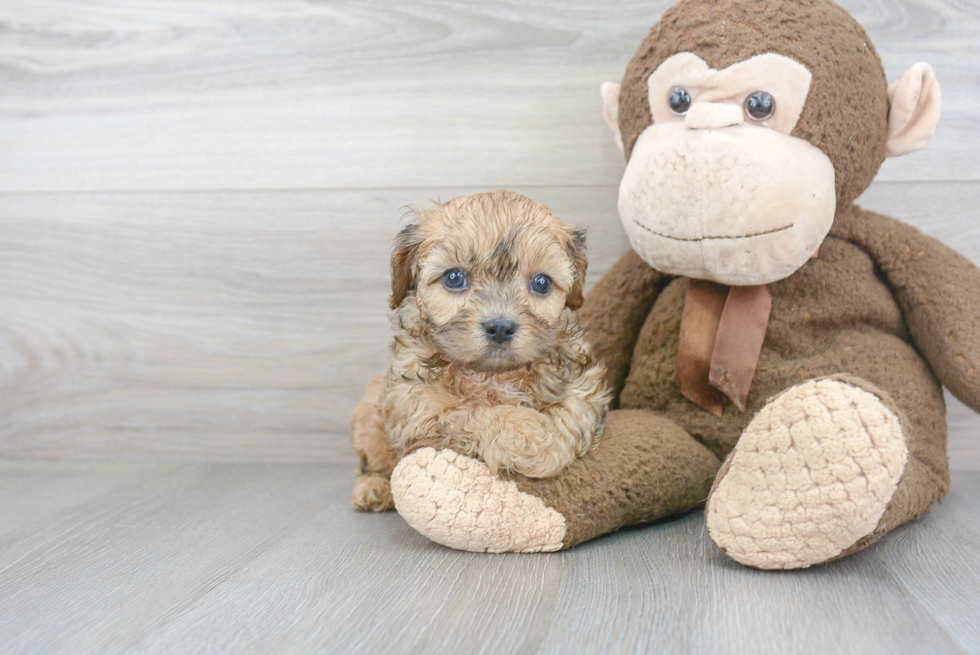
520,440
372,493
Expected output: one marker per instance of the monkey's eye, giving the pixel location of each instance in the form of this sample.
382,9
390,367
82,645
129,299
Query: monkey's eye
541,284
759,106
679,100
454,280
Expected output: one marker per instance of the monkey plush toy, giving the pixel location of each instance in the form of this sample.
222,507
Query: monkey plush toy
776,351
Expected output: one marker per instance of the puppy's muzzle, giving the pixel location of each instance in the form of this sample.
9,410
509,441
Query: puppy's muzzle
500,330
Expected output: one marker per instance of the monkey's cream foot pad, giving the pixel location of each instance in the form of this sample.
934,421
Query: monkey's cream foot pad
456,501
811,475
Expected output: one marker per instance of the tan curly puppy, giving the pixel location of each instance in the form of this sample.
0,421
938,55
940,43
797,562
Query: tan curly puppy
487,356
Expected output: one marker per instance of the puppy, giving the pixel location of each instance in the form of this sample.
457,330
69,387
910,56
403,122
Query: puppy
487,358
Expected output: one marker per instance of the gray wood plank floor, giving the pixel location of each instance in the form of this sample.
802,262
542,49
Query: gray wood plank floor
261,558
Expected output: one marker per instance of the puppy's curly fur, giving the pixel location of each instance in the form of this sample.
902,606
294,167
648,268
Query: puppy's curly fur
487,354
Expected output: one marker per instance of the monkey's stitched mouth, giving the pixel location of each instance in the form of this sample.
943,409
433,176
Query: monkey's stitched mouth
709,238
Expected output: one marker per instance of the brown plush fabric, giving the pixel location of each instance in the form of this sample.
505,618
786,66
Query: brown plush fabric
647,468
846,112
617,307
937,289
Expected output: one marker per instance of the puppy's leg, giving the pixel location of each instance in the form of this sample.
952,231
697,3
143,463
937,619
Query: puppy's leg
517,440
376,459
523,440
540,444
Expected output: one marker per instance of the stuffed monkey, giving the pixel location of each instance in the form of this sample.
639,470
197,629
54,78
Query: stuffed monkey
777,352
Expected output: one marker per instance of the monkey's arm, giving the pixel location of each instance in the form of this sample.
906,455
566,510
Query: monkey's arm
938,291
614,312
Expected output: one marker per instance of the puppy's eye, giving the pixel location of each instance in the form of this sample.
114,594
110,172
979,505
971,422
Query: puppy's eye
454,280
541,284
759,106
679,100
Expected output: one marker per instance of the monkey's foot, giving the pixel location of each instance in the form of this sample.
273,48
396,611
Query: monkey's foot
645,468
809,478
456,501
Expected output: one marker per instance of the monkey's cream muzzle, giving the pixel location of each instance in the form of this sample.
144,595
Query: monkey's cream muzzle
740,205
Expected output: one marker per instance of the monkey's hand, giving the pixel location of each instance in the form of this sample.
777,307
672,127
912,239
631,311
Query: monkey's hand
938,291
615,310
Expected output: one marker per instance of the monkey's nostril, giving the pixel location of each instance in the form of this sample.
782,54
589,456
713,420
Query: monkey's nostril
500,330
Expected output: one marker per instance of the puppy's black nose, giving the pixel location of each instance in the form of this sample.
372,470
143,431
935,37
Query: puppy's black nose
500,329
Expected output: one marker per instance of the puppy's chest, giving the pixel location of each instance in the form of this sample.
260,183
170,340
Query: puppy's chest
466,389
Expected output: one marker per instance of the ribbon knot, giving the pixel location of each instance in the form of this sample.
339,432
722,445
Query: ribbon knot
721,337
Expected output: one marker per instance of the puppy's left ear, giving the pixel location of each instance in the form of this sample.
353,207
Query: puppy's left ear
575,246
407,245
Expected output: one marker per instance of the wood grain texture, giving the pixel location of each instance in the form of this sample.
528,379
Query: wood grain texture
94,578
164,94
25,510
243,325
246,558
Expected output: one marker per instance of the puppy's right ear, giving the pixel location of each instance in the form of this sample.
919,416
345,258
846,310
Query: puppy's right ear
576,252
407,245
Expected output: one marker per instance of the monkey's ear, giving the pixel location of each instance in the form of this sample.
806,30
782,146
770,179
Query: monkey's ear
610,109
916,102
576,251
407,245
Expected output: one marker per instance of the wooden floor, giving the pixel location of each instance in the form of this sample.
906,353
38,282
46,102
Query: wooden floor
197,202
267,558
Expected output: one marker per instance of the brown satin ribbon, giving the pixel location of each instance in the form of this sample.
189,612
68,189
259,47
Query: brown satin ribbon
703,307
738,342
722,330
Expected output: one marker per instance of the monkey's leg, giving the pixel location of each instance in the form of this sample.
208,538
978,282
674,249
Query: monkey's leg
644,468
826,468
376,459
